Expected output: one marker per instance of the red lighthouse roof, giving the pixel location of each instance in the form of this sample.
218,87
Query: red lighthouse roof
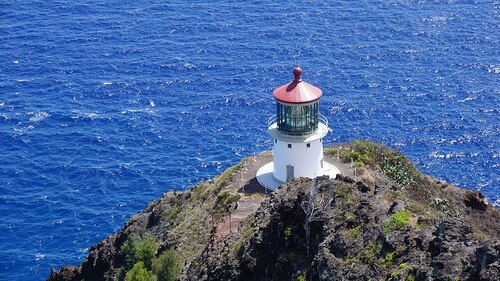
297,91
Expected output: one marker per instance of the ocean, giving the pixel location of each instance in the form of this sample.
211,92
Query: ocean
105,105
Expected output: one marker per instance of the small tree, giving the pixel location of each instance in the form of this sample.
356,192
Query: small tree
139,273
144,250
167,266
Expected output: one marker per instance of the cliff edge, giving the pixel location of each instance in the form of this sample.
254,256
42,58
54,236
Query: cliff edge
382,219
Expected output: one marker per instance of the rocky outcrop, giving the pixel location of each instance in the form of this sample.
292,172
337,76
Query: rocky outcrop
315,229
331,230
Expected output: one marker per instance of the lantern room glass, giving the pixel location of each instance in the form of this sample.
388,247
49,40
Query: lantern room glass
297,119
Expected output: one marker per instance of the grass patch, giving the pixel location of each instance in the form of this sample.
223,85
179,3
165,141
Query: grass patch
363,152
224,199
173,212
222,178
386,262
246,233
370,253
397,221
354,232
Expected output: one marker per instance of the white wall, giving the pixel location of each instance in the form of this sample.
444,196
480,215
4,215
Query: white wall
306,160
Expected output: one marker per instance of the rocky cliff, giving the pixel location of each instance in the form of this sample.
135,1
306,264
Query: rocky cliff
380,220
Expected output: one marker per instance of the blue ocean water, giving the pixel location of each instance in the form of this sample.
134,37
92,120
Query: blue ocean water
105,105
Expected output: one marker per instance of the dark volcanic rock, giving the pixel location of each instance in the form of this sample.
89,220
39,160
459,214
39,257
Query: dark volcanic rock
321,229
66,273
476,200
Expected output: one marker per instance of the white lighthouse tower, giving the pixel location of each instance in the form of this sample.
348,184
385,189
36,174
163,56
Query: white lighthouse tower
297,130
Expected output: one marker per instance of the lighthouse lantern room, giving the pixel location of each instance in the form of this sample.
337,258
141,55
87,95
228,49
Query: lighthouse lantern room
297,130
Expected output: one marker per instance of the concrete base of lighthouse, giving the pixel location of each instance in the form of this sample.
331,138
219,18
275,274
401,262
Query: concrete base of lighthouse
266,178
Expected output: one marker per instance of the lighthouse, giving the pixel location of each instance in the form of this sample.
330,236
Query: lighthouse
297,130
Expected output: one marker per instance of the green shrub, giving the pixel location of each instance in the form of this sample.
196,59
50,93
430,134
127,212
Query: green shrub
196,192
395,168
386,262
173,212
288,232
224,199
142,251
394,164
398,220
167,266
362,152
331,151
354,233
370,253
140,273
143,265
301,278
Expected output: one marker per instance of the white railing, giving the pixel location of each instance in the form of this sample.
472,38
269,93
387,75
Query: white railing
322,118
271,120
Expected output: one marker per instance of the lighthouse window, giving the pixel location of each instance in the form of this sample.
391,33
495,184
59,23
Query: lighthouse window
289,145
297,119
308,145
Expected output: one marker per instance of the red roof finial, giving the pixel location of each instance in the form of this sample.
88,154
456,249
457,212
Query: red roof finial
297,91
297,71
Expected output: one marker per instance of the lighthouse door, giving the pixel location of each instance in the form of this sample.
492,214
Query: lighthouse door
289,172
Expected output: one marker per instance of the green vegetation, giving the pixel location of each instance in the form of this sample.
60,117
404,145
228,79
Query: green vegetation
288,232
143,265
404,266
354,233
441,204
361,152
292,257
410,277
144,251
224,199
220,180
201,192
301,278
173,212
140,273
364,152
370,253
398,168
392,163
245,234
344,191
167,266
398,220
386,262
